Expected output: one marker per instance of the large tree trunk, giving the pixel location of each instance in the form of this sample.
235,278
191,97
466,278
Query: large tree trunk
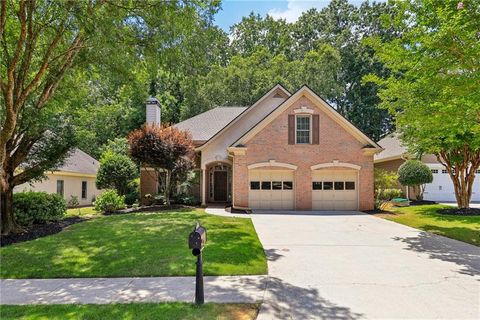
462,173
9,225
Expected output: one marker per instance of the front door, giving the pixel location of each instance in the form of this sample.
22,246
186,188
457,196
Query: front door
220,185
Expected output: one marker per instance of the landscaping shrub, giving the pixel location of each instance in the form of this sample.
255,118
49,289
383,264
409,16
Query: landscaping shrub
116,171
73,202
389,194
159,199
109,201
186,199
38,207
415,173
133,194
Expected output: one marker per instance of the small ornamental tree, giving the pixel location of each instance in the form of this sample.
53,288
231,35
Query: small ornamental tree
164,149
116,171
414,173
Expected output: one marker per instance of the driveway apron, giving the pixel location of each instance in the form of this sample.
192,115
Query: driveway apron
349,265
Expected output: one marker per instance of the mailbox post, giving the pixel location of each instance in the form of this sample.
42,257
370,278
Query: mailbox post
196,242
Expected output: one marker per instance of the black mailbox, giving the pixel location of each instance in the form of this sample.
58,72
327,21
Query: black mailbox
197,239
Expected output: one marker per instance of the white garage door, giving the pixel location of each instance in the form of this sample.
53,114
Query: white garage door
334,190
271,189
441,188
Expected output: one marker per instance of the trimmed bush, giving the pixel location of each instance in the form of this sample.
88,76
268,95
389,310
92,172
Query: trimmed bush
38,207
116,171
109,201
389,194
133,194
415,173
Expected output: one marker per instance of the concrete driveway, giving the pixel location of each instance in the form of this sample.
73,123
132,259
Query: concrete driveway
349,265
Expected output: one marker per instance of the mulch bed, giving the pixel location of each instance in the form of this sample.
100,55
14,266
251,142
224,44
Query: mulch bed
375,211
39,230
421,202
460,212
153,208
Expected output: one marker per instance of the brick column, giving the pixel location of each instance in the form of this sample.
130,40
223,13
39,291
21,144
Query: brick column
204,187
240,180
303,187
148,183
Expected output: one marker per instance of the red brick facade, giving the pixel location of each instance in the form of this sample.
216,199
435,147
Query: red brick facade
336,143
148,183
266,146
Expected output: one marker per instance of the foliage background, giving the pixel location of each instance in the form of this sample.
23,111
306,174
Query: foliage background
206,67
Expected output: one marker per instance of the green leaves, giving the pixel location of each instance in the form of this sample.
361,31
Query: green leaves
116,171
434,87
414,173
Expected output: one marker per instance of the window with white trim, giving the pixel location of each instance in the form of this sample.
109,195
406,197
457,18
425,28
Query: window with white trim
434,170
303,129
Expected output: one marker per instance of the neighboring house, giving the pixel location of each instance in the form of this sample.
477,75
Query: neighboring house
440,190
286,151
75,178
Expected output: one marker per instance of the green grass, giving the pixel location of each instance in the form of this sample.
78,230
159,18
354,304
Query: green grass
463,228
80,212
134,311
138,245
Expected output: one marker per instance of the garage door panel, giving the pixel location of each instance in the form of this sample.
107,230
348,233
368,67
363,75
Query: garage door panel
337,196
441,188
278,196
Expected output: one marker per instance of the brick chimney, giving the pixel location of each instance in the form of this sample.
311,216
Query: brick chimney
153,111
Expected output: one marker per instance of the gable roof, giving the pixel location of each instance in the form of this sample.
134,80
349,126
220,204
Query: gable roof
393,148
205,125
277,88
319,102
80,162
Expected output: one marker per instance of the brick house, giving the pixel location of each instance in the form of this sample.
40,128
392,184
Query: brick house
286,151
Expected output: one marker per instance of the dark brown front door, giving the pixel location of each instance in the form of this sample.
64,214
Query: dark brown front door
220,185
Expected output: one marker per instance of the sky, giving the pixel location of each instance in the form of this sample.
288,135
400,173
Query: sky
233,10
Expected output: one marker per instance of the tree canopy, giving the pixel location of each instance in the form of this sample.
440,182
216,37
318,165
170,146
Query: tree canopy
167,150
66,63
433,88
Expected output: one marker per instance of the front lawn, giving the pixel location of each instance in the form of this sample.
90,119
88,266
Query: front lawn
138,245
425,217
137,311
81,212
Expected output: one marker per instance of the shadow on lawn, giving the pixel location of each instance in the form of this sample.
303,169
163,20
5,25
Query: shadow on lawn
466,256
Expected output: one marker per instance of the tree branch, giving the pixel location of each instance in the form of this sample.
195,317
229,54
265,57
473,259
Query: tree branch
3,15
52,85
20,42
33,85
28,52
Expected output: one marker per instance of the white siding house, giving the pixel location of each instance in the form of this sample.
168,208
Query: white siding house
75,178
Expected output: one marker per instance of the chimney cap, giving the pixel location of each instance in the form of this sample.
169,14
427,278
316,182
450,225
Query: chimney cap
153,100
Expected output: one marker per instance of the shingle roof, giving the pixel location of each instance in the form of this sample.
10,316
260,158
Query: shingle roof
205,125
393,147
80,162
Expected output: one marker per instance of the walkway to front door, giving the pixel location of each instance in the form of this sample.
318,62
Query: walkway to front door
349,265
